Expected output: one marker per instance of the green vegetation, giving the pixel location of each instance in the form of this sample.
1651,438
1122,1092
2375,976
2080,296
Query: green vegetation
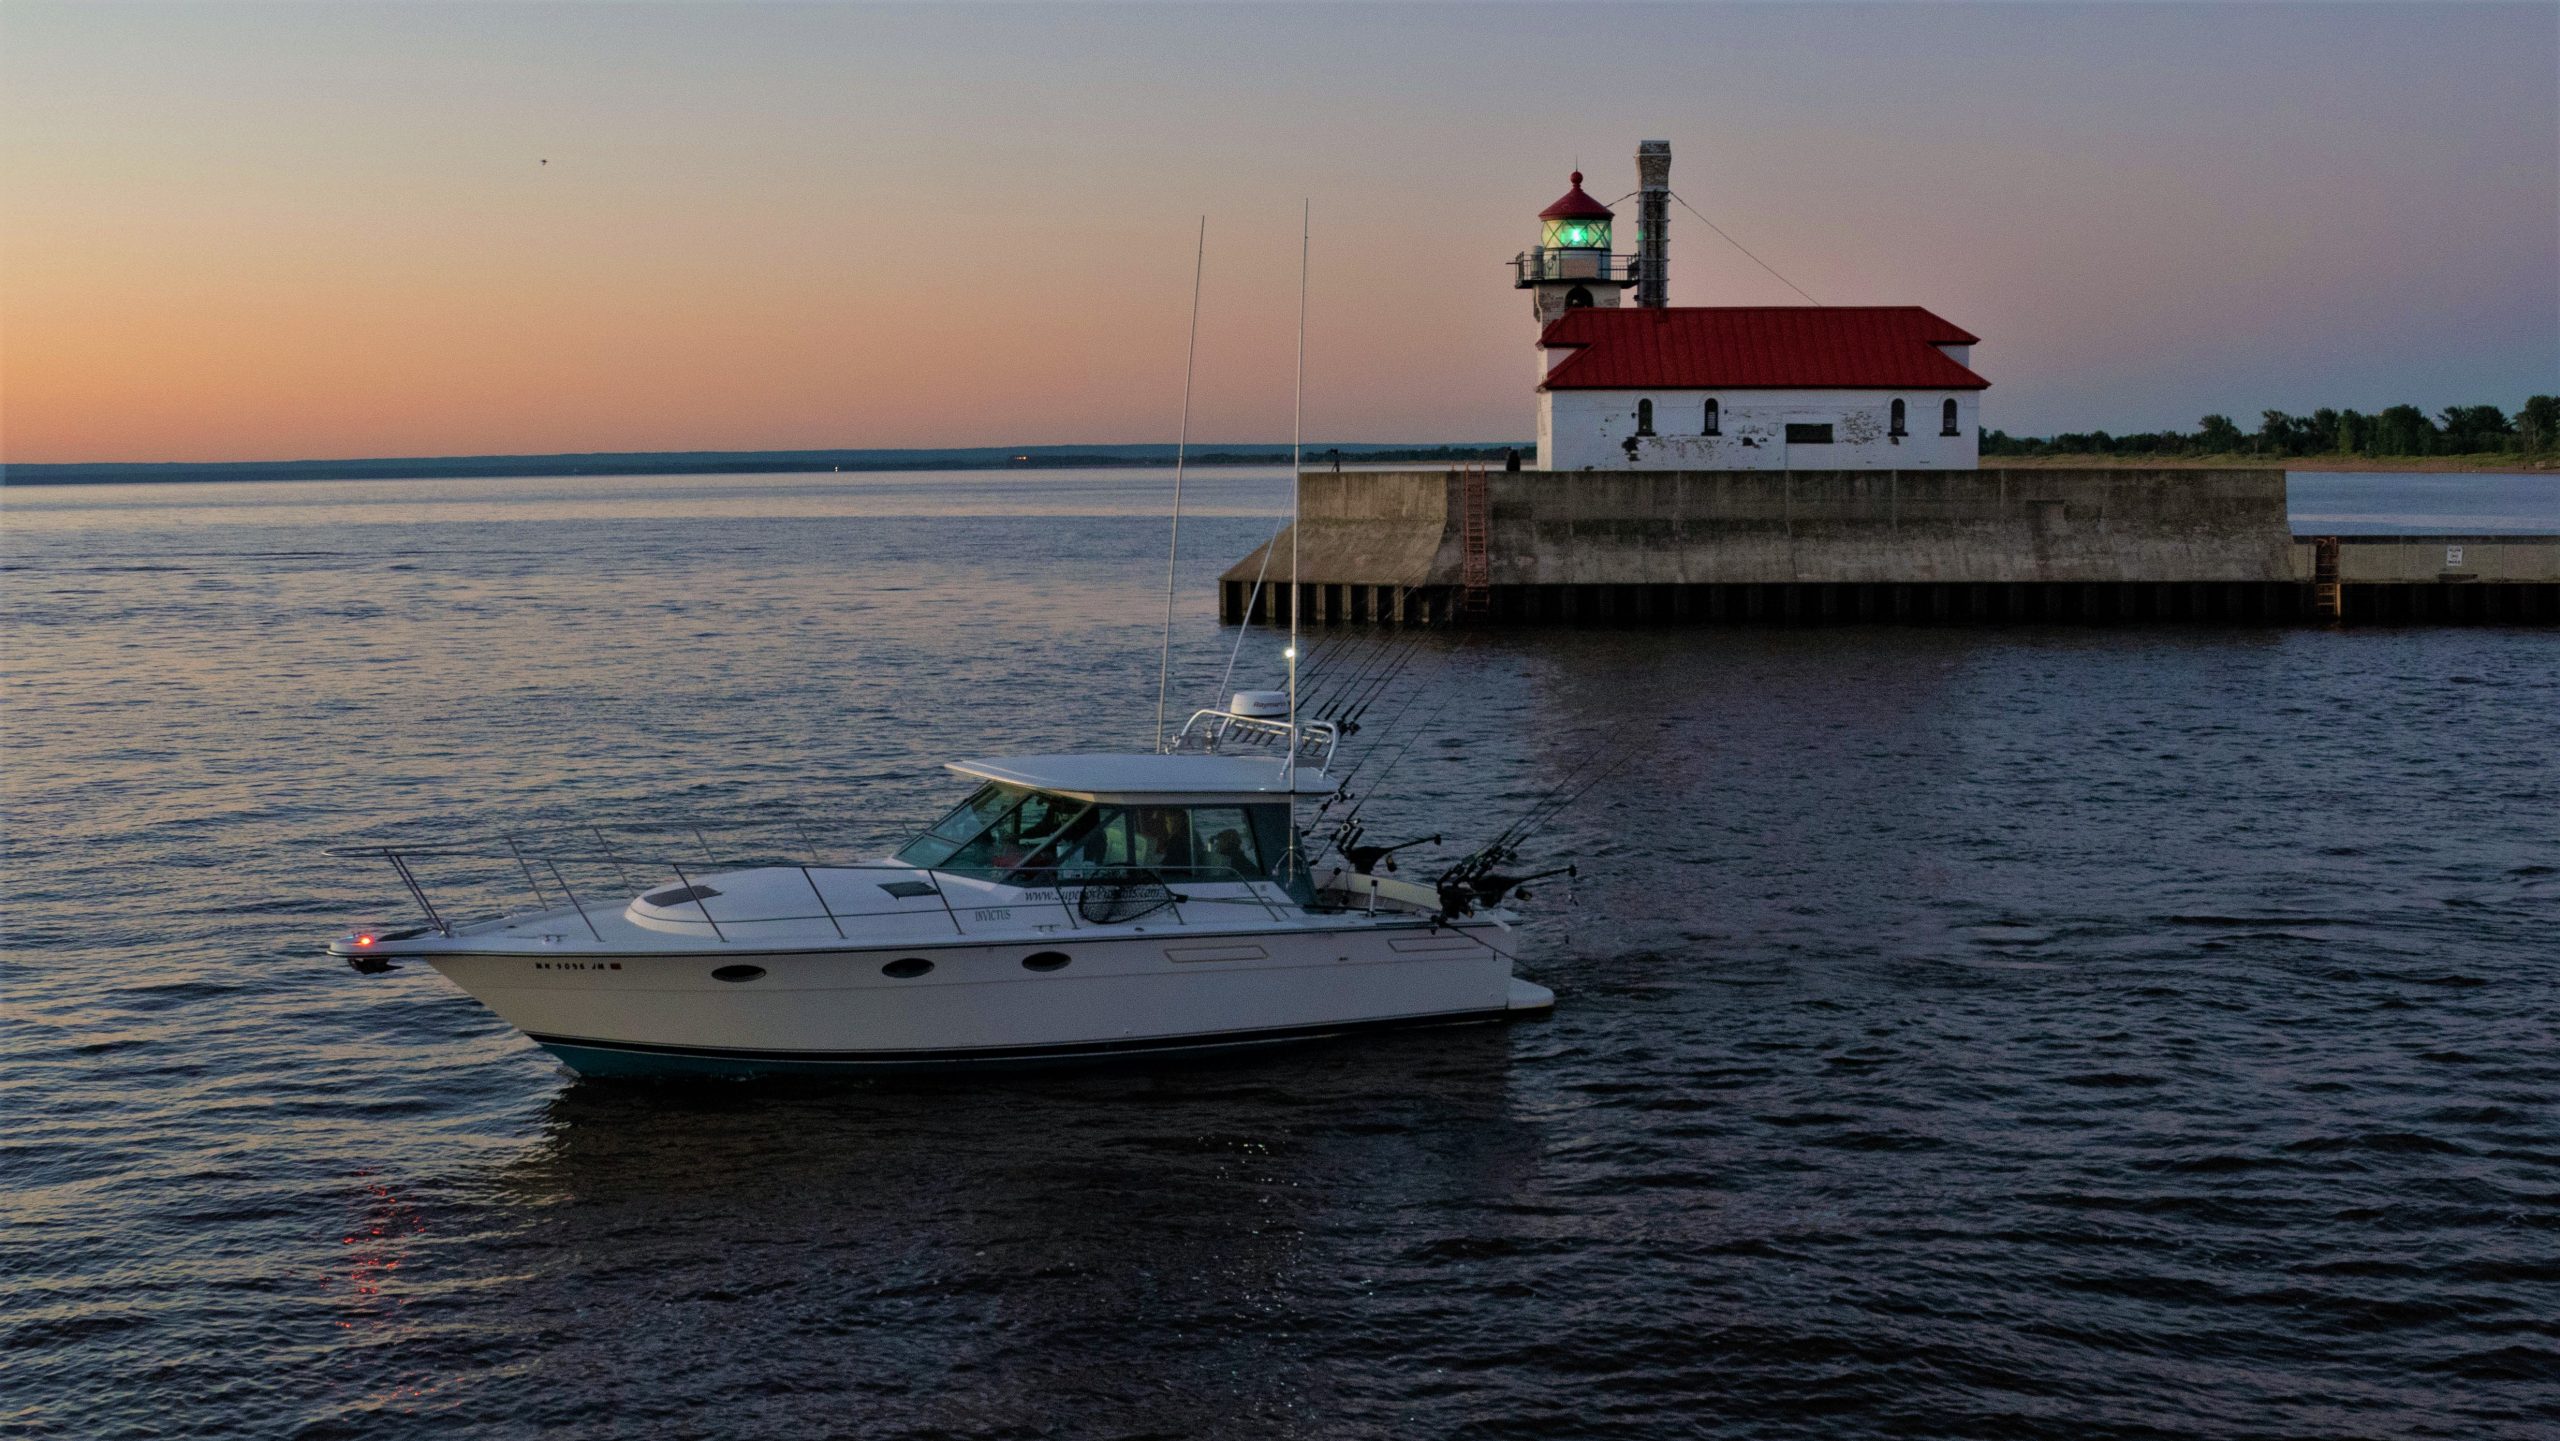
2468,431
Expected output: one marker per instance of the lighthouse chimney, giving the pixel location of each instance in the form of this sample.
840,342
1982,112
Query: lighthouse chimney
1653,224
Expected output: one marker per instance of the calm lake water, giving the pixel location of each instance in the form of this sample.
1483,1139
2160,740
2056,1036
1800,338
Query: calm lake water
2082,1033
2396,503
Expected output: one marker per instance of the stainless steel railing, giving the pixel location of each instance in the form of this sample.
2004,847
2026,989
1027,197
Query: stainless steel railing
590,851
1212,731
546,859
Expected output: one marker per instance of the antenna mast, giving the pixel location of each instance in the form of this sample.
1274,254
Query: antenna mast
1181,447
1297,423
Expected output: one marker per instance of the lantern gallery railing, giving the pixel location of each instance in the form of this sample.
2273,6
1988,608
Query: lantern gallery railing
1530,267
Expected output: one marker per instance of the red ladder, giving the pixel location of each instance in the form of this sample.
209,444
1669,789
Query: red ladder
1475,538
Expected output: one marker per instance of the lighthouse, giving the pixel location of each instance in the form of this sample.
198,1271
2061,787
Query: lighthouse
1657,386
1571,268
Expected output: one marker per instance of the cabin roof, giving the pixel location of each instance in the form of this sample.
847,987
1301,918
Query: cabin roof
1105,776
1757,347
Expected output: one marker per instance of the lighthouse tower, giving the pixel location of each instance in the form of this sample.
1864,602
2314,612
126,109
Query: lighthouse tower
1571,268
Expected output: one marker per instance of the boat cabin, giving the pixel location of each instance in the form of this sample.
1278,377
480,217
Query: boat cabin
1047,820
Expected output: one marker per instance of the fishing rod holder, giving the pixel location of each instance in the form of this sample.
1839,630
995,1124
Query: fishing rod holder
1365,859
1462,894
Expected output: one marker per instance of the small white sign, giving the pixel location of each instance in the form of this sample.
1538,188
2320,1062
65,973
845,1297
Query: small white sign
2452,556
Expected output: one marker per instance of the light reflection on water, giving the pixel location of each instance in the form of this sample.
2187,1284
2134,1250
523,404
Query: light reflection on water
2010,1031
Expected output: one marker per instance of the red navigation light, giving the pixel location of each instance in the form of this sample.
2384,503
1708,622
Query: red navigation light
363,939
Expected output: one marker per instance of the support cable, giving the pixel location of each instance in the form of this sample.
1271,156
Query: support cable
1736,244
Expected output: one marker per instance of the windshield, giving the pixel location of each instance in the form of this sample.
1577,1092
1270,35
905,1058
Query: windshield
965,823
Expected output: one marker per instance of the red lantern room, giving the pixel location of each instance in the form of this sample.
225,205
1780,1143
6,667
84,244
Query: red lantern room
1576,221
1571,267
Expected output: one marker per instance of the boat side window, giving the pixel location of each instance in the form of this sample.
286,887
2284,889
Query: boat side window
1088,842
1278,847
1222,845
966,822
1010,843
1160,836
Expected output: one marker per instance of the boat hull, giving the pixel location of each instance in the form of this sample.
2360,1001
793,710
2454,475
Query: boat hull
603,1060
992,1006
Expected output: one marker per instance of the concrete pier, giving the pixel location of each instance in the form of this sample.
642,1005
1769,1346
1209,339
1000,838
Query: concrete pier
1719,547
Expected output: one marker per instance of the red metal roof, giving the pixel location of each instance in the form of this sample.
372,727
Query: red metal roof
1574,205
1758,347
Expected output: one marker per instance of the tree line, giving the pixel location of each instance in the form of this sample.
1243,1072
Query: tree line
2399,430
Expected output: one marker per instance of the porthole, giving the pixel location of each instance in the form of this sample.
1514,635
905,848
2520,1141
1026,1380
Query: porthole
738,973
907,968
1045,961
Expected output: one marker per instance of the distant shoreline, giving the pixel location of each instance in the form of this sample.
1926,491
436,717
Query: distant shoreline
2496,462
724,462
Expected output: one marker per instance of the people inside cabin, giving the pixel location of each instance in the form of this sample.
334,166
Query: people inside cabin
1162,838
1226,853
1225,841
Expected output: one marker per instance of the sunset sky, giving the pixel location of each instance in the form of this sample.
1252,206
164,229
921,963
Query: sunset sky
269,232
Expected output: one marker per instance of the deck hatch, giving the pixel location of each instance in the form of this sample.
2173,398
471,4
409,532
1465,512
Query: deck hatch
1216,953
678,895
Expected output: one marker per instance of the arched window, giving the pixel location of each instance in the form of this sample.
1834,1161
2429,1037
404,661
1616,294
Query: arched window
1644,417
1578,298
1715,419
1947,418
1899,415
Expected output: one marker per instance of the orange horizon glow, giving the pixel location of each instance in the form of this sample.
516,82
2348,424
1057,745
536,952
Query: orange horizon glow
239,233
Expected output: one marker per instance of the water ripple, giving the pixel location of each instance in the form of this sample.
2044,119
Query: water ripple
2089,1034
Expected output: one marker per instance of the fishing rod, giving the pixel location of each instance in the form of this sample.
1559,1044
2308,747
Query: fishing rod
1363,699
1338,688
1395,726
1347,831
1473,879
1403,747
1319,662
1539,816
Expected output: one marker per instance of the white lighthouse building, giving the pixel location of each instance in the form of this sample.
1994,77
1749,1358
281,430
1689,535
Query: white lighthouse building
1777,387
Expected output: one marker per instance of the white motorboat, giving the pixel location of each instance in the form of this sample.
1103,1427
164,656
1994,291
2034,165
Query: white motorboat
1072,908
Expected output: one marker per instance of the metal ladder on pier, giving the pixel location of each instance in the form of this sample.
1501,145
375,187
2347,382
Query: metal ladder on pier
2326,599
1475,539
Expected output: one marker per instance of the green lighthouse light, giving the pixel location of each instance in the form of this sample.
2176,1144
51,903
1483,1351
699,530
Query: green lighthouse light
1577,235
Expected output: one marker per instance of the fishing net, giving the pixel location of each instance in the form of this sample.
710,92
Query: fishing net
1122,894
